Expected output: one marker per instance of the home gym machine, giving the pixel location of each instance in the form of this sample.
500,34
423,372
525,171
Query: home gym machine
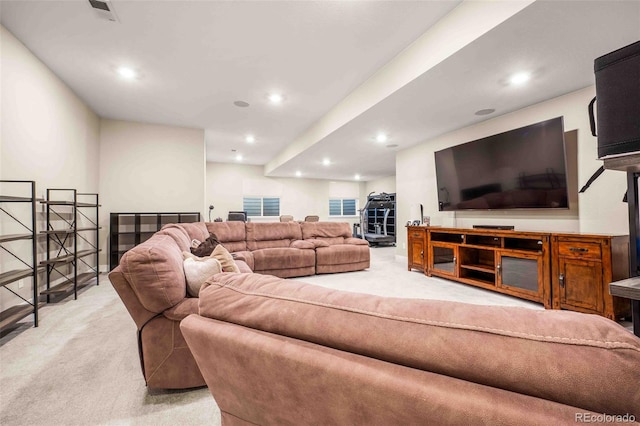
375,217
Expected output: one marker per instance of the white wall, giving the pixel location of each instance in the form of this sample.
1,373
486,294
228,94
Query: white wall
385,184
48,135
599,210
150,168
227,184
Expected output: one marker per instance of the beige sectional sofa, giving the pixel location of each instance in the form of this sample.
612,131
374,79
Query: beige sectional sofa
150,280
292,249
282,352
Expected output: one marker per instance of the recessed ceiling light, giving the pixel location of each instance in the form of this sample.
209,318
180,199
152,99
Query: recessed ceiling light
381,137
276,98
239,157
298,173
357,177
519,78
127,73
241,104
326,162
250,139
485,111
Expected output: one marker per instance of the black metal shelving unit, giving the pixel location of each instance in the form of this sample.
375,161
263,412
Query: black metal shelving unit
9,244
67,243
88,237
127,230
61,243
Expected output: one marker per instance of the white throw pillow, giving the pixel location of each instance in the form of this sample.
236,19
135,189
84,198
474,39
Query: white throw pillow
197,270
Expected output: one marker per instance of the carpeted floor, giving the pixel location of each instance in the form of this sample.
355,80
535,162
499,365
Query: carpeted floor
81,367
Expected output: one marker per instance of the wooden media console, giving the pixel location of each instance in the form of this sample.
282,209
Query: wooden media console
560,271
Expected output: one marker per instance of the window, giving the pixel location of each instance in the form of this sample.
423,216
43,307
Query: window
343,207
261,206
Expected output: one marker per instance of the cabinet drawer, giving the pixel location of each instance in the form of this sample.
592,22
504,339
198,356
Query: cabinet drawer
579,249
417,234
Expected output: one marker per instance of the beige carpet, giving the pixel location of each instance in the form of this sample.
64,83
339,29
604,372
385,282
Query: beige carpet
80,366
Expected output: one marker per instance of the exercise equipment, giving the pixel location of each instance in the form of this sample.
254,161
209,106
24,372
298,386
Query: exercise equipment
380,234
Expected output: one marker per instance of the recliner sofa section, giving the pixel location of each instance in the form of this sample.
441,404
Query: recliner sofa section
336,249
283,352
151,282
292,249
277,249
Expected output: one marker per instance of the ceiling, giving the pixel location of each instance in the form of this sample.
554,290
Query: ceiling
341,66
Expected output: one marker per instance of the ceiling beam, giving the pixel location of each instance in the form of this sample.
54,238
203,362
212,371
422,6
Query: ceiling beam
464,24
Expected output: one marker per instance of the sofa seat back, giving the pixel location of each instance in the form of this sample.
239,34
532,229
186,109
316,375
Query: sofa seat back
232,234
192,230
584,361
154,270
272,235
330,232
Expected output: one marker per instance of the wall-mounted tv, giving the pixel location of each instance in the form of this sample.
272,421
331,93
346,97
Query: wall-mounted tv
523,168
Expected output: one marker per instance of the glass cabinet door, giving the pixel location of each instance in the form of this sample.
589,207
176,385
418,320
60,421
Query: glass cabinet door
443,258
520,273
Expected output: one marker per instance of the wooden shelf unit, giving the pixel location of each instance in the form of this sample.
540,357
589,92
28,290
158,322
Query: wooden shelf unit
559,270
25,264
127,230
417,245
509,262
583,266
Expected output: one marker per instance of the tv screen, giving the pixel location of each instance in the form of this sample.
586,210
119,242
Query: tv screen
522,168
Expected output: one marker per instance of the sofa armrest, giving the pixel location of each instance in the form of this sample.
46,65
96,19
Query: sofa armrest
243,256
242,265
318,243
302,244
356,241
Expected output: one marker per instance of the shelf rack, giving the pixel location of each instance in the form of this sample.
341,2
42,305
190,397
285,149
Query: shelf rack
72,236
61,241
9,245
127,230
87,234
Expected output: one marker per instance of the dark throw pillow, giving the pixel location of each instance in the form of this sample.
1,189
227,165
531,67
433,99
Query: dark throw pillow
206,247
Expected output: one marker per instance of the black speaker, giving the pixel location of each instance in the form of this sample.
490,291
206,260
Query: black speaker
617,77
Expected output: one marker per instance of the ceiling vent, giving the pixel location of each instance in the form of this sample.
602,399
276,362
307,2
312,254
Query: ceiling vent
103,9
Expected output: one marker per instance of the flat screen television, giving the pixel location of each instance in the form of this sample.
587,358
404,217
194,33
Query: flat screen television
523,168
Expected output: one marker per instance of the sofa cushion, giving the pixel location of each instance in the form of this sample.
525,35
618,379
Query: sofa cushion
585,361
154,271
205,248
232,235
226,260
197,270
